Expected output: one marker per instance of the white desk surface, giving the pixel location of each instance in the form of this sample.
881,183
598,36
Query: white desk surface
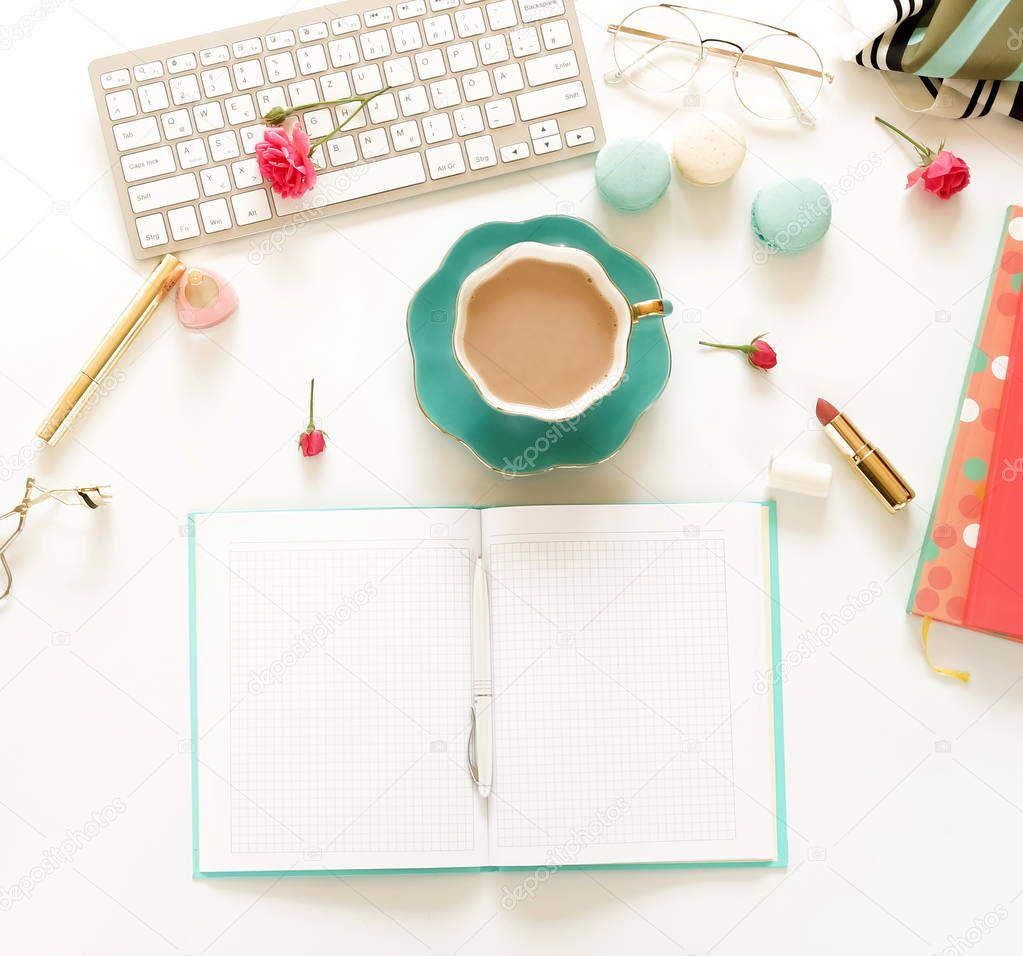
905,789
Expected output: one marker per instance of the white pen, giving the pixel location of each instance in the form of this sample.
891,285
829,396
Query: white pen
482,683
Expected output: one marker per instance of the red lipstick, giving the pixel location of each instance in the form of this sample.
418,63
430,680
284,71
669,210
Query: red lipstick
888,486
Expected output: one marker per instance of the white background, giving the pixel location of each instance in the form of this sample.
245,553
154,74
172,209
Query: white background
905,789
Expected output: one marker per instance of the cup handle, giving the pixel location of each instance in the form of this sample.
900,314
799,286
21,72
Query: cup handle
650,307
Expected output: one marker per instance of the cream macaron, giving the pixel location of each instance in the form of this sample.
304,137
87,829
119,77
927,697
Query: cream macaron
709,148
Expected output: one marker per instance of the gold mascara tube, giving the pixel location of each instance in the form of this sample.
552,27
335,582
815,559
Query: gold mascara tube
108,353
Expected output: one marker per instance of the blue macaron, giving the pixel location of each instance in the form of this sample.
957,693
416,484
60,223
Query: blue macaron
792,215
632,174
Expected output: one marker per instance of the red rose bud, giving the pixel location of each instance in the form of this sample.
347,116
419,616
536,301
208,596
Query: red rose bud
312,441
942,172
758,353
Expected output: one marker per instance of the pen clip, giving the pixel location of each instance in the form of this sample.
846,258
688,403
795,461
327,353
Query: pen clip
471,748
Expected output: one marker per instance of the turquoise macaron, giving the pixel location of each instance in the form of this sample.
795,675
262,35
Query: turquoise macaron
632,174
791,215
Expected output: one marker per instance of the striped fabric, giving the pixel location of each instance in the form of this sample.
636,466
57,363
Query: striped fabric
950,58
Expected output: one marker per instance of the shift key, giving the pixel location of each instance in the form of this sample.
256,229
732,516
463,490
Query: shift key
163,192
552,100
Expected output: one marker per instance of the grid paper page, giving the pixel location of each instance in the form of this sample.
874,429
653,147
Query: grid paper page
349,749
611,665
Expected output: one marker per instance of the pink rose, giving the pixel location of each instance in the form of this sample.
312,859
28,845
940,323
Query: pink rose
758,353
944,176
312,443
283,158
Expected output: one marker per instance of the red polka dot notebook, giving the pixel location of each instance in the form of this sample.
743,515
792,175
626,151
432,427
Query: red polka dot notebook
970,572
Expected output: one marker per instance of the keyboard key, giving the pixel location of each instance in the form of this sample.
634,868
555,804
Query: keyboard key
445,161
438,30
375,45
515,152
373,144
312,59
437,128
312,31
508,78
343,25
249,74
215,181
121,105
413,8
493,49
369,179
250,136
250,47
141,132
318,122
183,223
580,137
176,124
215,217
280,40
114,79
192,153
378,18
437,5
544,129
445,94
399,72
153,97
468,121
469,23
350,115
180,64
342,151
151,231
556,35
551,100
148,71
280,67
406,37
477,86
214,55
148,163
551,68
550,144
335,86
246,173
343,52
163,192
430,64
413,101
533,10
406,136
223,146
461,57
185,89
240,109
216,82
481,152
501,15
272,96
207,116
367,79
499,113
383,109
251,207
525,42
303,92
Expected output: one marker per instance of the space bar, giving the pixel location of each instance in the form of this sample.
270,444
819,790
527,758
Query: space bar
357,182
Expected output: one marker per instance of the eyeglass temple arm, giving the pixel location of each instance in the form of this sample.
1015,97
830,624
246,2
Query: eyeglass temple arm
718,51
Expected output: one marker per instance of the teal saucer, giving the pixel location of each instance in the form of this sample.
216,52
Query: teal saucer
515,444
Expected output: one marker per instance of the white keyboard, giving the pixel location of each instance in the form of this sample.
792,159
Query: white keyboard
477,89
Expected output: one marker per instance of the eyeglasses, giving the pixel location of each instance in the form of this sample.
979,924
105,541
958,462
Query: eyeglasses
659,49
91,497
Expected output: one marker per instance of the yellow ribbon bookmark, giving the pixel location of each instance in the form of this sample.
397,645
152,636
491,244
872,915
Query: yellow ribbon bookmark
925,629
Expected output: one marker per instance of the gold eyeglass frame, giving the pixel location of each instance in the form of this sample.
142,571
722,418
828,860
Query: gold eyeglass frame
800,112
92,496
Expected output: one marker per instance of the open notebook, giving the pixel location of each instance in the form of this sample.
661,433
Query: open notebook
635,717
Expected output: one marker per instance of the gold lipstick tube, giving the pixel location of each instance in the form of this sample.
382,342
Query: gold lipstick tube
100,364
889,487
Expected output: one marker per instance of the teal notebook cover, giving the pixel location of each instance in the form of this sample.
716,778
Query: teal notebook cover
780,813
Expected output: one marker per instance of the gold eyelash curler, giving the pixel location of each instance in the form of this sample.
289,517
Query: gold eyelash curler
92,497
